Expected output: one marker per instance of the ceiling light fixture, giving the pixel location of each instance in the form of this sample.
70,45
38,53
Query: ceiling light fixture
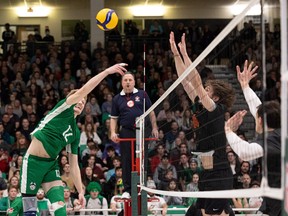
148,10
36,11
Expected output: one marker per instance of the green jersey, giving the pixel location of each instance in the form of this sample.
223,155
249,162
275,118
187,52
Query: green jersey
59,129
12,207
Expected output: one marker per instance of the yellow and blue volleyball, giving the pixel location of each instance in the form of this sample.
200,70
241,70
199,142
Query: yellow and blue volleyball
107,19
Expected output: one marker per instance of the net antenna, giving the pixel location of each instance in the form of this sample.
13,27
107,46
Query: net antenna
284,80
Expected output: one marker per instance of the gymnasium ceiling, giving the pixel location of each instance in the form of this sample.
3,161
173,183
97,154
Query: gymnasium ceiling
113,3
124,3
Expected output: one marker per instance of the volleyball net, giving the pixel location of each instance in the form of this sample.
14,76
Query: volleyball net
179,127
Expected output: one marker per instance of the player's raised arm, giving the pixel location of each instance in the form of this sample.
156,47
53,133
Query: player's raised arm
93,82
244,78
187,62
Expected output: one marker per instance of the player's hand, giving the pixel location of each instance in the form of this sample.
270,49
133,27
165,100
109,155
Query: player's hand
247,74
114,137
155,133
117,68
233,123
182,45
82,200
173,44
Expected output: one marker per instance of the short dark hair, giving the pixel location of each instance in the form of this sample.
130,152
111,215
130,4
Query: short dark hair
273,113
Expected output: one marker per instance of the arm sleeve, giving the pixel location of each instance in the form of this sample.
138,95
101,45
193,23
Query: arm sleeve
246,151
252,100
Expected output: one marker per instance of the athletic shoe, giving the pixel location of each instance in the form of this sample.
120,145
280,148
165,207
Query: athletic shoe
125,195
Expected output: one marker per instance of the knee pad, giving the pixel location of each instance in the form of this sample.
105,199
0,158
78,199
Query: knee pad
56,197
29,205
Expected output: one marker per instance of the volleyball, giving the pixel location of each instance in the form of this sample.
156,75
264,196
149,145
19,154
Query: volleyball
107,19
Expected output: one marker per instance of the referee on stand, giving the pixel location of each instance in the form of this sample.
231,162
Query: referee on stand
126,107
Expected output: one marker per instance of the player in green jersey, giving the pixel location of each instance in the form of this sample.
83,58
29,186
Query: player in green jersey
55,131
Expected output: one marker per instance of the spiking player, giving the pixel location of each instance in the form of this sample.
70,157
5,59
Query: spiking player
55,131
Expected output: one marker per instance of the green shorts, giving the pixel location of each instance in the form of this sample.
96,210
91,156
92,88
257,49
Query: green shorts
35,171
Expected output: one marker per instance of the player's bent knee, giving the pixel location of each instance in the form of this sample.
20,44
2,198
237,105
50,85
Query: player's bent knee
29,205
56,197
59,208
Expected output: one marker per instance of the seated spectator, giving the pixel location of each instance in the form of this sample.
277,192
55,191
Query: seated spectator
4,135
94,200
25,128
71,203
163,184
89,134
154,201
244,169
233,161
87,176
255,202
183,170
20,146
12,204
43,203
68,179
4,160
173,133
114,205
111,172
106,107
3,188
155,160
111,153
97,171
91,149
192,186
15,164
115,184
162,168
95,107
173,200
63,159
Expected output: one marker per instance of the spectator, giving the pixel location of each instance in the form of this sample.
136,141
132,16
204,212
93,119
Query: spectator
89,134
156,159
87,176
155,29
48,37
111,153
154,201
8,36
94,200
192,186
37,35
17,159
43,203
97,169
244,169
233,161
115,184
162,168
12,204
68,178
71,203
95,107
116,163
173,200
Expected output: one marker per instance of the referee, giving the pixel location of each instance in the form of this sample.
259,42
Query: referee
126,107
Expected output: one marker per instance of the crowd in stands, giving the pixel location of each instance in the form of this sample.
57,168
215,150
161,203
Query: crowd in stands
33,82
